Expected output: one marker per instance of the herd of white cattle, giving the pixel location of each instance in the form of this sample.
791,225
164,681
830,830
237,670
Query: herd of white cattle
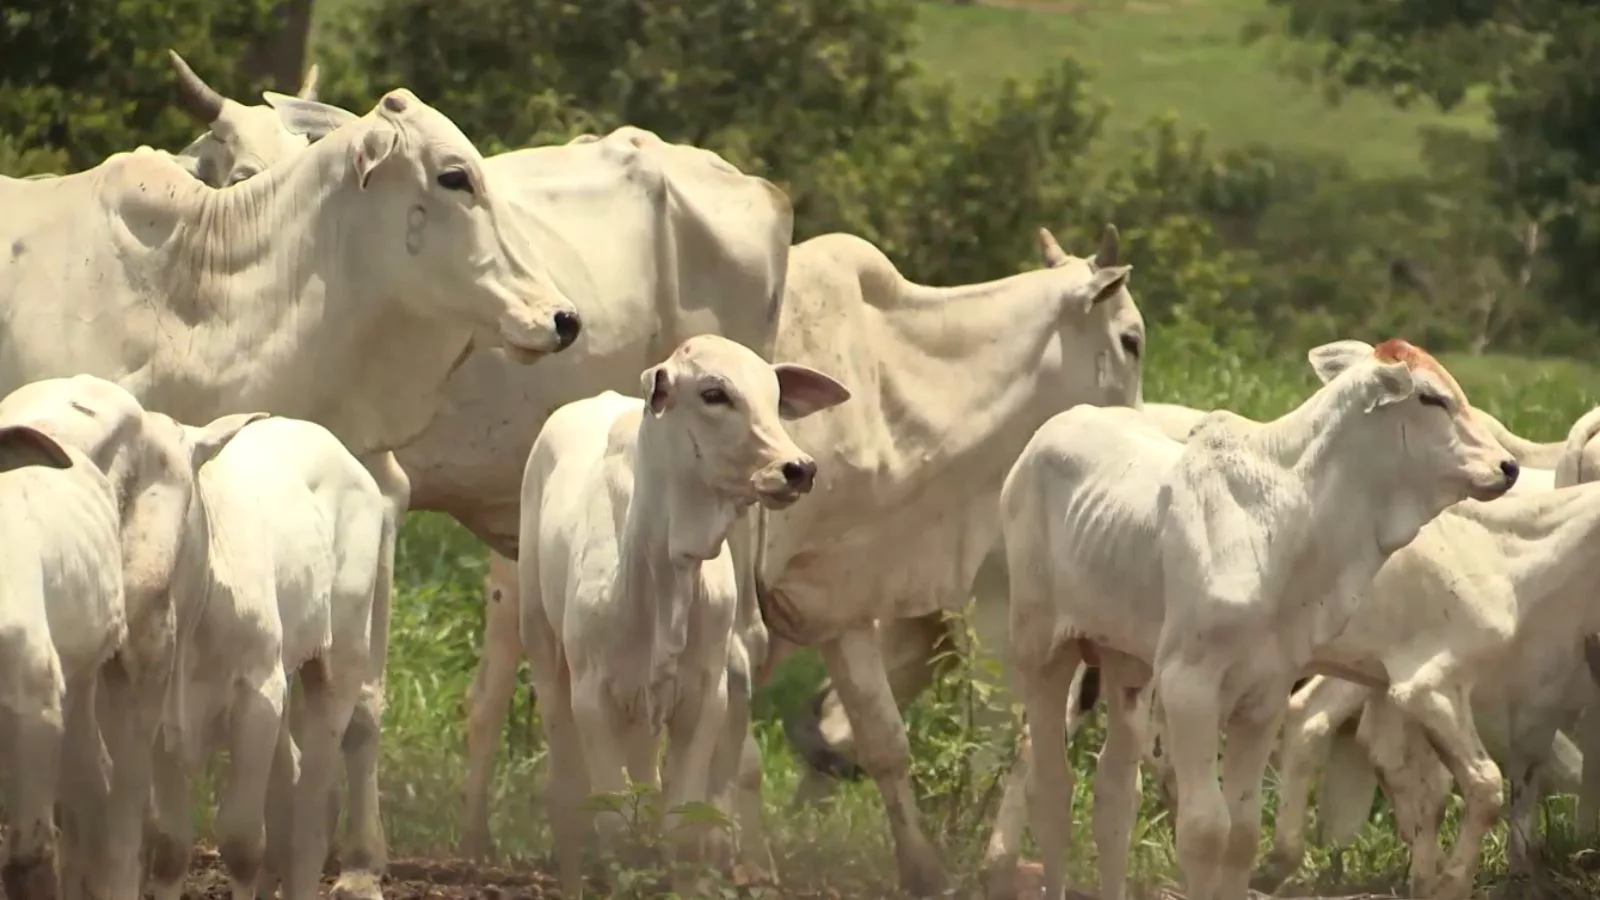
230,371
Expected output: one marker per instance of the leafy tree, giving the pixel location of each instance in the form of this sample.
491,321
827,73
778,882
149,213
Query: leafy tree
1539,61
81,80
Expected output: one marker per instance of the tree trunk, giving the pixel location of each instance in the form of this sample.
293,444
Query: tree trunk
281,59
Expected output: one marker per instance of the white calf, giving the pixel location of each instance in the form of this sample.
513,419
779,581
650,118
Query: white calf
146,463
298,531
1489,605
1212,570
629,595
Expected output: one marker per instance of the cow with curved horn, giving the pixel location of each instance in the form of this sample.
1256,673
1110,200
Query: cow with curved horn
240,140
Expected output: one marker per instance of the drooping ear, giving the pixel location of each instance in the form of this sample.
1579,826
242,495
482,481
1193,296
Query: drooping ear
207,442
655,384
373,148
1395,382
1103,285
1331,359
1049,250
309,117
803,390
24,445
308,85
1109,247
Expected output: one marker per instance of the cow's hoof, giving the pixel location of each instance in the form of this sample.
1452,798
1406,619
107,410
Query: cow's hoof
358,886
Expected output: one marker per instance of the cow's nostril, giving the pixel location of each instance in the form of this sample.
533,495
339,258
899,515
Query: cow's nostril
798,474
1510,469
567,327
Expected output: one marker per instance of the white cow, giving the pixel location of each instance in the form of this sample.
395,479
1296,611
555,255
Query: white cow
629,592
1486,605
340,287
240,141
949,384
1212,571
705,252
148,462
296,530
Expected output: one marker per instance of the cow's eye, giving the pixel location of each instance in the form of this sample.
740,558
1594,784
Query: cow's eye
242,175
455,180
1432,400
1130,344
715,397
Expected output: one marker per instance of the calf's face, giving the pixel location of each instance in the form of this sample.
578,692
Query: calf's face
1419,420
728,405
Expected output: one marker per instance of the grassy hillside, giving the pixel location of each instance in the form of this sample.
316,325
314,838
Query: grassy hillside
1150,57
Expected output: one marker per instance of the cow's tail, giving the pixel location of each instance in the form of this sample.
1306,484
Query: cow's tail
1348,781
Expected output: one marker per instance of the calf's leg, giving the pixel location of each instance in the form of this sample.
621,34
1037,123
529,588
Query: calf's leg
1191,706
1116,779
31,731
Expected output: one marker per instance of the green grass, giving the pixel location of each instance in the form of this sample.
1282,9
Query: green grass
1151,57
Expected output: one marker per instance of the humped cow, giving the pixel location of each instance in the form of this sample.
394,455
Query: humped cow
1150,556
629,593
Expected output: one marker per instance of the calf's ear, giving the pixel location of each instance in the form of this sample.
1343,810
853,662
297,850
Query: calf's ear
208,441
655,383
803,390
1329,360
24,445
1395,382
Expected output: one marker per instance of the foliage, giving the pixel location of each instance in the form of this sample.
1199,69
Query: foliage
88,79
1539,62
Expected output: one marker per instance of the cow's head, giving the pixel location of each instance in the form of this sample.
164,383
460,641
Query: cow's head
1103,339
240,141
149,460
722,408
436,228
1415,427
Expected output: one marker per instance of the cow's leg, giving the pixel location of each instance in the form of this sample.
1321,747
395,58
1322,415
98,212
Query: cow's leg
1005,841
281,801
820,732
1525,770
331,688
735,784
488,699
567,787
1445,714
31,733
134,707
1252,732
1415,783
855,662
1315,712
1116,778
364,853
1191,708
256,716
84,793
694,731
172,832
1587,733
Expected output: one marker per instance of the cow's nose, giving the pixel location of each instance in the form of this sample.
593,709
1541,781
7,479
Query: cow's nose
800,473
1510,469
567,327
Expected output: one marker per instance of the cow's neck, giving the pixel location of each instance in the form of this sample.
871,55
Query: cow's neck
1549,543
282,317
973,369
674,523
1359,500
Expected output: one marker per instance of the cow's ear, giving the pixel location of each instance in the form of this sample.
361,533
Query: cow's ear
803,390
1329,360
656,384
24,445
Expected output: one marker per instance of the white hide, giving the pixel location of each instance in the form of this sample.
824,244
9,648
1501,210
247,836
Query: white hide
340,287
629,592
1480,623
949,384
148,463
297,532
1148,555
